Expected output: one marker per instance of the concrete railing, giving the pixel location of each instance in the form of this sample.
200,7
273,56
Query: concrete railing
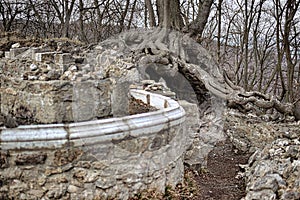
53,136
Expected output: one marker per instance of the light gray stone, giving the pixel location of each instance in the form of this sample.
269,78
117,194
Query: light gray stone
33,67
44,56
105,182
260,195
36,193
64,59
17,51
7,54
73,189
58,101
290,195
56,191
120,99
266,182
18,186
15,45
11,173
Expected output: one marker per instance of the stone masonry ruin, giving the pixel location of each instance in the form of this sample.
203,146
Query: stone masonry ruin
60,137
82,143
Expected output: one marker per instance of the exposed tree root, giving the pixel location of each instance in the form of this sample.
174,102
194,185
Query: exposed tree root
174,51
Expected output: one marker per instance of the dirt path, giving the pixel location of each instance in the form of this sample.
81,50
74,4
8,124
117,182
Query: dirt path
220,180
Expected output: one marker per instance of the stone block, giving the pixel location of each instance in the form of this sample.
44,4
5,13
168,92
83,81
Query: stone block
17,51
33,52
45,56
34,158
7,54
120,99
64,59
192,116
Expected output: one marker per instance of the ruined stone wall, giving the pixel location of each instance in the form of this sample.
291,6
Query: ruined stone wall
57,101
86,160
116,169
273,170
101,159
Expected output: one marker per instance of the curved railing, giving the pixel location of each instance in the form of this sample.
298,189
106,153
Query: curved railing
53,136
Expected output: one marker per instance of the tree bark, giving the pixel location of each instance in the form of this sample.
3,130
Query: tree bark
291,10
169,14
197,26
81,23
150,10
131,15
219,29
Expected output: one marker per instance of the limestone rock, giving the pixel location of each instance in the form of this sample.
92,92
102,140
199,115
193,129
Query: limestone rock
266,182
35,158
105,183
9,121
57,191
33,67
16,45
36,193
297,111
261,195
73,189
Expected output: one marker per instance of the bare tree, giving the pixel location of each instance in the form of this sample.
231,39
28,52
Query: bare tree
64,10
290,12
10,12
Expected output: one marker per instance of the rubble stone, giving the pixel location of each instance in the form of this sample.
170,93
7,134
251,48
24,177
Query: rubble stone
14,52
45,56
273,170
33,67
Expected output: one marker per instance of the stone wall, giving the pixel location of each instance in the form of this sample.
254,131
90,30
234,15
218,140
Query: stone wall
118,169
94,159
273,170
57,101
102,159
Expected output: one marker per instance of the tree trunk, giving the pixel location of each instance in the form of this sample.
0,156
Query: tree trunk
197,26
160,11
81,22
246,45
131,15
64,13
291,9
219,29
169,15
150,10
123,16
